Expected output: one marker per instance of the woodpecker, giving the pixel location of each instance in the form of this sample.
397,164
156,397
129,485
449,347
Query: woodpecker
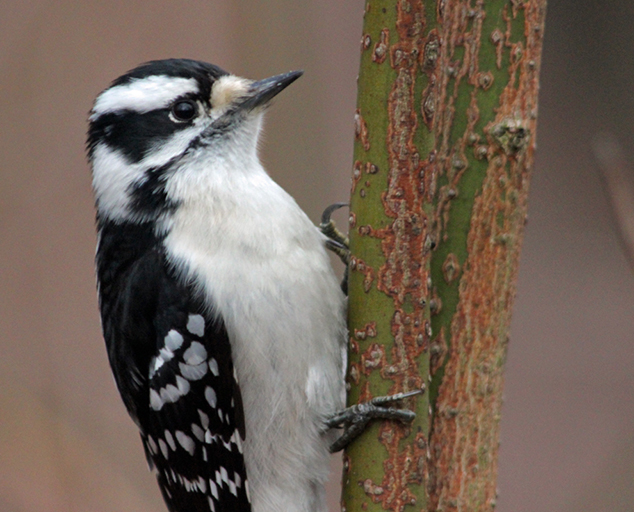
223,320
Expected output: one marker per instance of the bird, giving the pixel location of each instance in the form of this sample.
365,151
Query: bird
223,320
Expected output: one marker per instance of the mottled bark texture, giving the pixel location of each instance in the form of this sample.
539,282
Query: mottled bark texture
445,136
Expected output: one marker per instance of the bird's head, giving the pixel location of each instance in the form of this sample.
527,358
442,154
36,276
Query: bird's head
163,117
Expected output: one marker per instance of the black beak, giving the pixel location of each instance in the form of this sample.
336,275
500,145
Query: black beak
263,91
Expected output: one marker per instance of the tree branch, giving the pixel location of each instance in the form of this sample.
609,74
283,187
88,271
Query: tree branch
445,132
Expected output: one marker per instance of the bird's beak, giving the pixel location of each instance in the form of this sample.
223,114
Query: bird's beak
263,91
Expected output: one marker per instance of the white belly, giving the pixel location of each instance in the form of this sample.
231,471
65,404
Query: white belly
267,275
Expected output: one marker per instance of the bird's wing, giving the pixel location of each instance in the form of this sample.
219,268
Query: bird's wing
185,395
195,428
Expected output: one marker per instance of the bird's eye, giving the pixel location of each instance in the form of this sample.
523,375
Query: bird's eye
184,110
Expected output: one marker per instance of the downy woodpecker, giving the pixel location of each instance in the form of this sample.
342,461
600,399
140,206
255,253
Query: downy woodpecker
223,321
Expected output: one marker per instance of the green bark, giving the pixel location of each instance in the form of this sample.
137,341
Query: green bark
445,133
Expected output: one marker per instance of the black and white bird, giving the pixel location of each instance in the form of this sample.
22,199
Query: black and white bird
223,320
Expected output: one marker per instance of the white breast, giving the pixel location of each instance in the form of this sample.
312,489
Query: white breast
266,273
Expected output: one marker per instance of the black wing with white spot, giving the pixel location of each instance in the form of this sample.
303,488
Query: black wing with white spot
172,363
195,429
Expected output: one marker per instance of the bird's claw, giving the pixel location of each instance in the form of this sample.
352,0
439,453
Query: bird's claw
337,242
355,419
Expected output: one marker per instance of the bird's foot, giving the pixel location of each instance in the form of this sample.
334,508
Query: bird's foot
355,419
337,242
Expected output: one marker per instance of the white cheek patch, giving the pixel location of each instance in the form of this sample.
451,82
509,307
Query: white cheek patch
143,94
112,175
226,91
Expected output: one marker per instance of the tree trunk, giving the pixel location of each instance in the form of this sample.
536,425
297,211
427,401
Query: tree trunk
445,136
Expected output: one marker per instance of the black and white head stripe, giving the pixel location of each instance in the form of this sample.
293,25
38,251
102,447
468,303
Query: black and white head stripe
155,85
143,95
132,115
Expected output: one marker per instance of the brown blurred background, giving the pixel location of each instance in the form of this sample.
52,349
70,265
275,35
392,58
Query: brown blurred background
66,443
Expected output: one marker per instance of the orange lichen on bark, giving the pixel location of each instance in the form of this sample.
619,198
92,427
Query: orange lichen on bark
465,428
455,150
361,130
368,331
380,48
404,275
356,176
358,265
438,352
466,425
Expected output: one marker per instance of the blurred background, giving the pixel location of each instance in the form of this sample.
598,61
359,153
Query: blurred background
66,443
